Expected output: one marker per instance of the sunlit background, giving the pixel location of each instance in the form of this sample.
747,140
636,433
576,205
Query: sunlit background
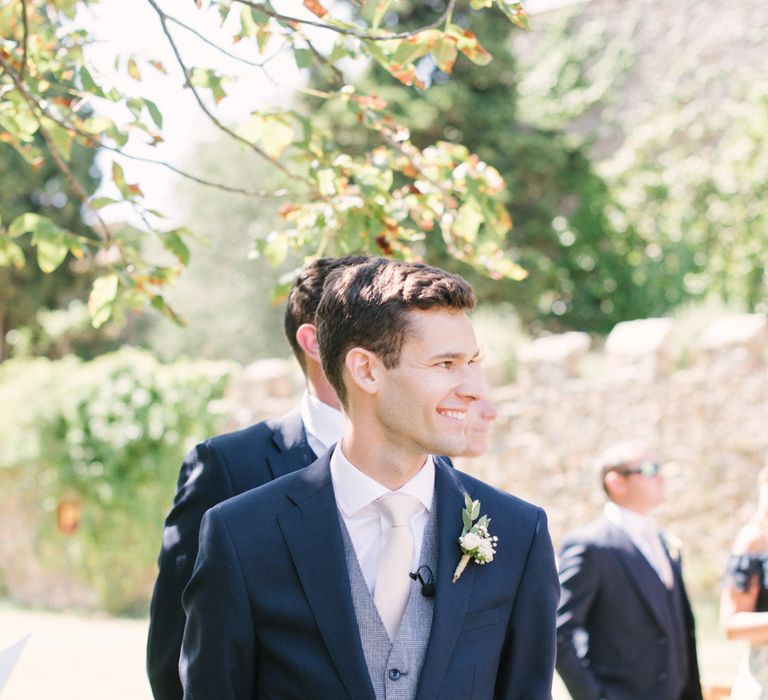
632,138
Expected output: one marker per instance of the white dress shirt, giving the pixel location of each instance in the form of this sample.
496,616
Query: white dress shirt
323,424
356,496
645,535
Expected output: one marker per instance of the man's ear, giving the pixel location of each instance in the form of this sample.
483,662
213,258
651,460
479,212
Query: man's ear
615,484
306,337
362,366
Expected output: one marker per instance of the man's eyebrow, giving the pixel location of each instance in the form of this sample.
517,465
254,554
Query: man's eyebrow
453,355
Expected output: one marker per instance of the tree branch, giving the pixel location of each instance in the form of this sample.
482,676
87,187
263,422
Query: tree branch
351,32
214,45
205,109
24,39
74,183
262,194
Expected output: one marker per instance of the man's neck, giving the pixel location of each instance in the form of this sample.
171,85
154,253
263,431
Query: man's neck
318,386
388,464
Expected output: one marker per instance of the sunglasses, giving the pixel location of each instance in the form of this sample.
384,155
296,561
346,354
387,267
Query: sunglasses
645,469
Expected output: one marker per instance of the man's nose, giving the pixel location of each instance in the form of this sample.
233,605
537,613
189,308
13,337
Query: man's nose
473,386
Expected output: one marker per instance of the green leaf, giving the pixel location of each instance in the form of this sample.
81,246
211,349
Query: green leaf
303,57
155,113
515,12
378,14
207,78
271,132
409,49
469,45
102,298
50,240
158,302
468,221
248,26
133,69
88,83
445,52
101,202
475,509
51,251
118,176
11,254
173,242
61,138
466,520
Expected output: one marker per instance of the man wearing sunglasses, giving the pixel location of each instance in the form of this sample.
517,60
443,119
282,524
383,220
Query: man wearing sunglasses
625,626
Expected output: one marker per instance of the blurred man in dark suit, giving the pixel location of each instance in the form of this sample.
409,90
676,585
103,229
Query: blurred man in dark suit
625,626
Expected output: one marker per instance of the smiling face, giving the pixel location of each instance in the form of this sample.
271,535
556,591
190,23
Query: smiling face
423,402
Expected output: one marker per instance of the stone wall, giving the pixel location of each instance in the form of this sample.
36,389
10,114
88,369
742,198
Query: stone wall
709,422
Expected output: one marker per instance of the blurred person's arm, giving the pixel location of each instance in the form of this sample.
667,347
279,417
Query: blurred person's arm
738,600
204,481
579,583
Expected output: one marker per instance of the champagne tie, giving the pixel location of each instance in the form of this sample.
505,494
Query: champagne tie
660,558
393,585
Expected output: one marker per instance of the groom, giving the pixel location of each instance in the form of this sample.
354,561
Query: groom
301,588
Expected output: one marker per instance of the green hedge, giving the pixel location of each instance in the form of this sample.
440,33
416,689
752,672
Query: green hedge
110,435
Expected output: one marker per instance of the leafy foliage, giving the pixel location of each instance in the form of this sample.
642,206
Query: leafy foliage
676,137
108,434
384,199
578,263
25,288
694,183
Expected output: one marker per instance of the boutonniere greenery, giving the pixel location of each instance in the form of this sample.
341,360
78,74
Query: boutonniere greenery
674,545
477,544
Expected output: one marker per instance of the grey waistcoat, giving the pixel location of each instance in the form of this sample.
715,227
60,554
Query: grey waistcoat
394,667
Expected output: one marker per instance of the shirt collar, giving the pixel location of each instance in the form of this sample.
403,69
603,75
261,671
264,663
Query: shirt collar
323,423
629,520
355,490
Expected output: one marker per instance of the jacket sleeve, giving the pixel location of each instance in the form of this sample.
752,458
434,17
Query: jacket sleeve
204,481
528,659
218,653
579,582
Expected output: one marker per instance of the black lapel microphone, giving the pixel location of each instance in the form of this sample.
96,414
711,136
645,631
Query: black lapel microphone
428,584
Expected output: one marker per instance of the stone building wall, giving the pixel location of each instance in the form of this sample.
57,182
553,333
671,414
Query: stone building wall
709,422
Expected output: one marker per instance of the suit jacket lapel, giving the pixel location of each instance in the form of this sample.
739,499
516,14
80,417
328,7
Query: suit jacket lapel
642,575
290,438
313,536
451,599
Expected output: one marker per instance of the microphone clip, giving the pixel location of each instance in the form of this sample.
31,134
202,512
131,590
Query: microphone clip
427,584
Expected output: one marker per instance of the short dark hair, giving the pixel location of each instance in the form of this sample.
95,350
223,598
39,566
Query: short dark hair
305,296
366,306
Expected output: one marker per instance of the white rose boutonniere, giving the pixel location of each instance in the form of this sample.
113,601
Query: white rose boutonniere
476,542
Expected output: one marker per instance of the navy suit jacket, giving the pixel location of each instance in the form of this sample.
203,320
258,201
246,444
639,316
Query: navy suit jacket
213,471
614,628
270,612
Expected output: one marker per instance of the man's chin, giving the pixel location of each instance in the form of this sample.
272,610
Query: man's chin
449,447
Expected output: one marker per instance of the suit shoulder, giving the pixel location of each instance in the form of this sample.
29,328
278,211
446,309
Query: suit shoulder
593,534
268,499
241,439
